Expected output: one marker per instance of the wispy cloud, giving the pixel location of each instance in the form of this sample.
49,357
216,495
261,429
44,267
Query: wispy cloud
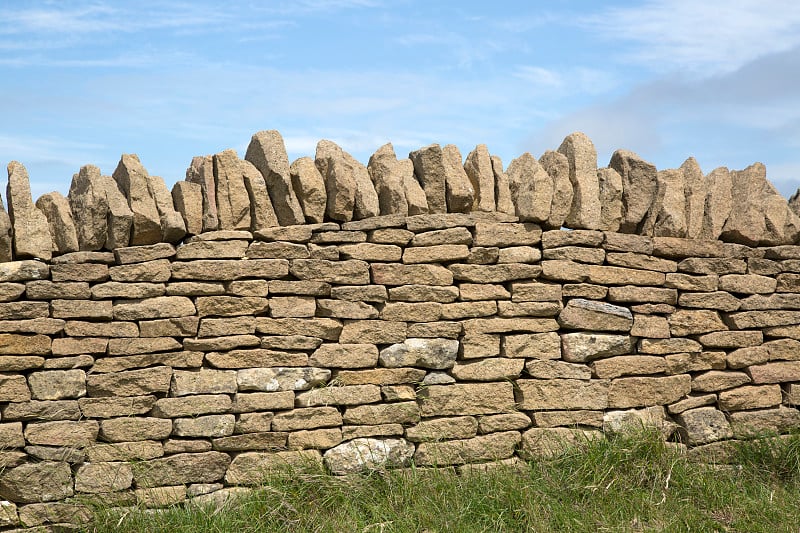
705,37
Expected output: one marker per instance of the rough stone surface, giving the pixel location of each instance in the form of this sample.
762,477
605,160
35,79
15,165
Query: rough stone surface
31,229
368,454
267,153
585,212
531,189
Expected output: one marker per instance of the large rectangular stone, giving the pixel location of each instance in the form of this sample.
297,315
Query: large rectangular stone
386,413
24,310
350,272
161,307
396,274
205,381
227,270
157,271
130,383
777,372
79,328
505,234
611,275
184,359
307,418
467,399
499,273
561,394
647,391
323,328
373,332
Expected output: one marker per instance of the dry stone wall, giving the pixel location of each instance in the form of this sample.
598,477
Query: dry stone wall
156,372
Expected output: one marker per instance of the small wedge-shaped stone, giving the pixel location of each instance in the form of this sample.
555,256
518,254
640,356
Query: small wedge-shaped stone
760,216
582,159
87,199
309,187
262,213
610,183
340,185
173,227
667,215
188,200
387,174
233,203
366,204
478,167
694,186
59,218
133,181
502,189
719,202
31,231
201,171
639,187
6,239
415,196
268,154
531,188
459,191
429,170
119,218
557,166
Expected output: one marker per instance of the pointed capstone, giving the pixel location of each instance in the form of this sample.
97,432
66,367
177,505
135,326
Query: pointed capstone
387,175
502,189
31,231
340,185
201,171
531,188
667,215
119,217
582,159
415,195
173,228
262,214
639,186
188,200
610,183
87,199
309,187
761,216
557,166
233,203
695,189
429,170
268,154
59,219
366,202
132,179
478,167
460,195
719,202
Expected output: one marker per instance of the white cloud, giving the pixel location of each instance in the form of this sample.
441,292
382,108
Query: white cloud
704,37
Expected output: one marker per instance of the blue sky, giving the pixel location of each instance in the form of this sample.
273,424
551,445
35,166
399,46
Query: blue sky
85,81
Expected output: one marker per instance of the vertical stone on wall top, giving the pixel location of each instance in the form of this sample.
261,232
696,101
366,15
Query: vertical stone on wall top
667,214
233,203
268,154
557,166
638,187
173,227
610,183
309,187
201,171
132,179
478,167
429,169
458,189
187,197
119,217
719,201
502,190
365,201
59,219
531,188
31,231
262,214
6,235
87,199
695,188
582,158
340,185
386,173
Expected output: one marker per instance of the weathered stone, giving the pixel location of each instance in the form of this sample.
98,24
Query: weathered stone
582,158
232,199
133,181
423,293
160,307
750,397
639,186
667,214
704,425
131,429
647,391
551,442
634,420
62,433
506,234
763,319
87,199
130,383
591,315
641,261
57,384
685,322
748,424
37,482
656,327
187,198
716,380
394,274
482,448
31,230
281,378
537,346
111,407
466,399
343,395
340,183
500,273
262,213
168,327
372,414
562,394
626,365
181,468
557,166
531,189
59,219
732,339
426,353
744,357
761,215
680,363
719,300
574,253
611,207
201,172
309,187
204,426
776,372
345,356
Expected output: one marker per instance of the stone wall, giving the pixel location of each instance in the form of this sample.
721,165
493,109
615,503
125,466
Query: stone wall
161,372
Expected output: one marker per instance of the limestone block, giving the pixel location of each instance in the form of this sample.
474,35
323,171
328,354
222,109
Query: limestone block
389,413
309,187
262,213
89,205
502,190
133,181
368,454
694,322
31,229
62,433
581,155
596,316
717,380
60,221
639,186
130,383
281,378
388,175
493,447
547,394
206,467
201,172
667,214
268,154
173,227
187,197
467,399
611,207
430,170
531,189
557,166
647,391
37,482
478,167
425,353
695,191
340,184
233,202
57,384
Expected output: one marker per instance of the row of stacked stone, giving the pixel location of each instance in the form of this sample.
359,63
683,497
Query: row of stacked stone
158,373
223,192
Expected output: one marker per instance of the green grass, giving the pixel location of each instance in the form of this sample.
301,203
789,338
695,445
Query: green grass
634,483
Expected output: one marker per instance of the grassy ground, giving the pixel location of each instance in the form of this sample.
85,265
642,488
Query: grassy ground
623,484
